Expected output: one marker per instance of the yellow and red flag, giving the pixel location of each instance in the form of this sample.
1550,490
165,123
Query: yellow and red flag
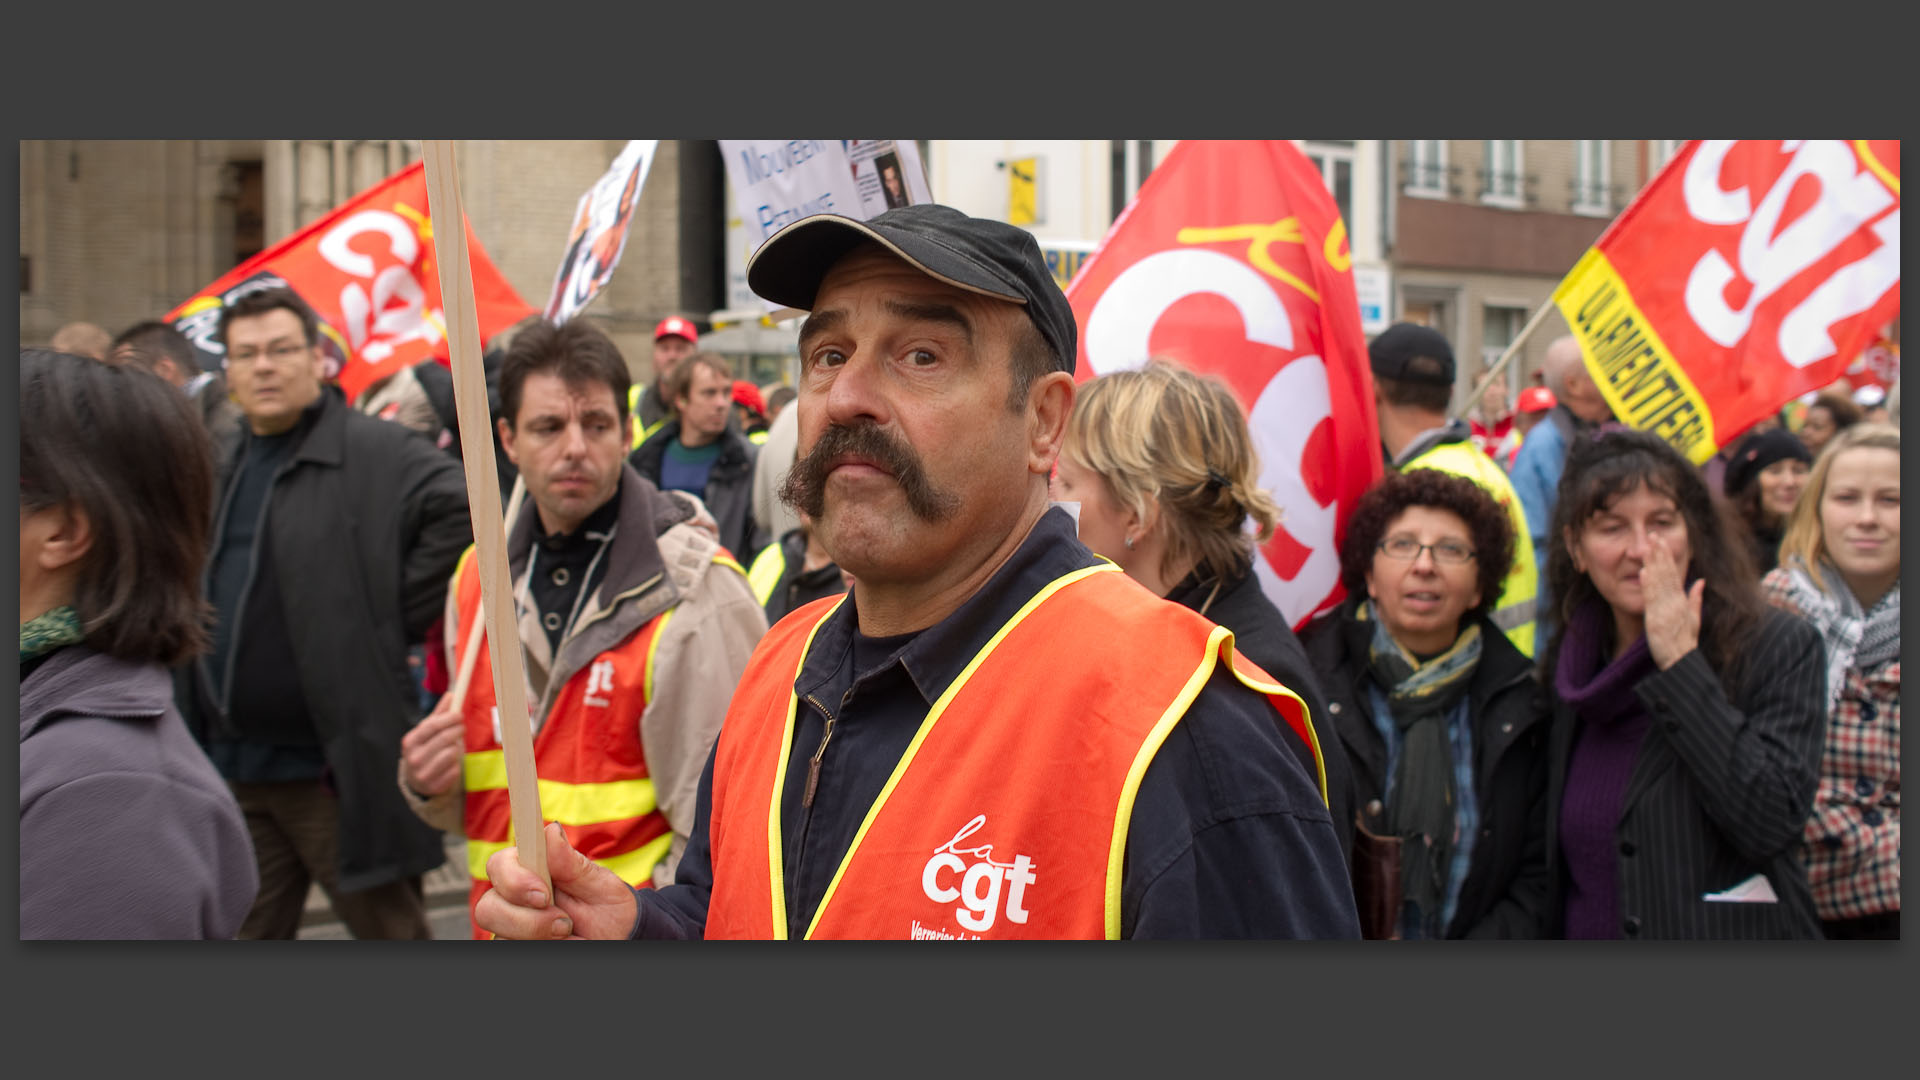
1747,273
367,270
1233,261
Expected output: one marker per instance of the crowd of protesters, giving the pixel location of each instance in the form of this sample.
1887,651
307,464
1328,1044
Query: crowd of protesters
1578,688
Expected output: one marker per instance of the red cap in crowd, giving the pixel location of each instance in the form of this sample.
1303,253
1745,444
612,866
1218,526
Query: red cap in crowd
1535,399
675,326
745,393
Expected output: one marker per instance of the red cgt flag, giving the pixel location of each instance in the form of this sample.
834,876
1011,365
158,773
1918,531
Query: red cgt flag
1747,273
1233,261
368,272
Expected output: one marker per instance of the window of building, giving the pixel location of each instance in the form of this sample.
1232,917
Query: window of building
1663,151
1426,168
1592,172
1132,161
249,210
1335,162
1499,326
1501,182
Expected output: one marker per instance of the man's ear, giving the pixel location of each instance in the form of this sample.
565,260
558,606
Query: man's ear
506,440
69,540
1049,402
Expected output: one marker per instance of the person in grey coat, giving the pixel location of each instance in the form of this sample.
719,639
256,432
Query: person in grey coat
126,830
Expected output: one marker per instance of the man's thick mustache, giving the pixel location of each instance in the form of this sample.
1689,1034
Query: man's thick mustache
805,486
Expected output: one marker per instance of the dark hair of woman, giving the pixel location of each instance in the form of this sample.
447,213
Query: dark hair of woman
1488,525
1616,463
124,448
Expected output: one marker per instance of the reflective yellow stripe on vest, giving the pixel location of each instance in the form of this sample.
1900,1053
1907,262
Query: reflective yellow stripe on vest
568,804
757,438
632,867
1514,612
768,566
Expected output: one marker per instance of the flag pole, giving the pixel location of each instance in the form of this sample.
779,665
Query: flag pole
448,220
1500,365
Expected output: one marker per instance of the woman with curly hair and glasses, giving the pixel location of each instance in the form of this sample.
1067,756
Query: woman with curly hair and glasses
1435,709
1687,715
1164,471
126,830
1840,570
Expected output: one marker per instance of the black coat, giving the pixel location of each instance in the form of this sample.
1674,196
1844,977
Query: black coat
1720,791
367,521
1505,892
729,495
1262,635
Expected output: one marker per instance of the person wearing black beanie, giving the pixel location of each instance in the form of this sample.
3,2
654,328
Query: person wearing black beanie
1763,481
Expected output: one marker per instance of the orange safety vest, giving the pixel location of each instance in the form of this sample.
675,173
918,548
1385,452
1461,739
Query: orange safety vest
1007,816
593,774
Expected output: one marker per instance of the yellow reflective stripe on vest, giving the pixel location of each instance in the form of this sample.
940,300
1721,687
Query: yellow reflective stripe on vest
768,566
568,804
653,647
757,438
633,867
1123,818
1515,613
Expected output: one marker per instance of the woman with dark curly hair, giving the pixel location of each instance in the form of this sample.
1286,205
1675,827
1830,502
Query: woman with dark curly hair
1435,709
1687,715
126,830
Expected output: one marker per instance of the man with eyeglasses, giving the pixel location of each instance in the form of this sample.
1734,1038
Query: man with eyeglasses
1413,377
335,535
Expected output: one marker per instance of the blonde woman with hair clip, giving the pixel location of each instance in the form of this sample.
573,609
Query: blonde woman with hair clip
1840,570
1163,467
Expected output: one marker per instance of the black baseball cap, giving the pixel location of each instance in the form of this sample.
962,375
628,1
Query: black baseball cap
1398,345
976,254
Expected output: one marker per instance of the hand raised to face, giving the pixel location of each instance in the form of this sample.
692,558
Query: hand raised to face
1673,610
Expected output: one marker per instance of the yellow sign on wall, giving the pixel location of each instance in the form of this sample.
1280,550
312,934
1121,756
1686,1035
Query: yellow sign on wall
1023,191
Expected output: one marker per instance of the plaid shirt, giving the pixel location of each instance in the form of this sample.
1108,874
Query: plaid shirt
1851,845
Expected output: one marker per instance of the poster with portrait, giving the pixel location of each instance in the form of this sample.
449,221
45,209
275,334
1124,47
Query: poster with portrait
887,173
599,232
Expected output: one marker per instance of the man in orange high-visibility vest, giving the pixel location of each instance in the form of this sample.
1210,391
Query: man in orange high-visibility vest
634,622
995,734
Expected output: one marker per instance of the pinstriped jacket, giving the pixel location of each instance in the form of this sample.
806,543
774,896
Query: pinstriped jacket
1719,792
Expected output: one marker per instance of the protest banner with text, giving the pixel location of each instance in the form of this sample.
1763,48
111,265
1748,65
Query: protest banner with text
1746,273
1233,261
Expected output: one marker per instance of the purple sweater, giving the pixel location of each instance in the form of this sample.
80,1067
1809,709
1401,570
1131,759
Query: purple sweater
126,830
1613,720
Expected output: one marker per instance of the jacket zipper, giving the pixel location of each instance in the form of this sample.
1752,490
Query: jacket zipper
813,764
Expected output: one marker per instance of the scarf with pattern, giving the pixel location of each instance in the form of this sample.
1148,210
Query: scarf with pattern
48,631
1421,811
1854,638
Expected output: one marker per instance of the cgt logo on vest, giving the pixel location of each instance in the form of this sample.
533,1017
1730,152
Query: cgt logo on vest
978,885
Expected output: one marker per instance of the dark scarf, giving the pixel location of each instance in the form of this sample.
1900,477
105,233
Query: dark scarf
1599,691
1420,697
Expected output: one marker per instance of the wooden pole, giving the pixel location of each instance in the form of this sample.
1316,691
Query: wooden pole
449,224
471,652
1500,365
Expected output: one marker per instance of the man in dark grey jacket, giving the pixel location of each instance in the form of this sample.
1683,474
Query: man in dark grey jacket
334,540
700,453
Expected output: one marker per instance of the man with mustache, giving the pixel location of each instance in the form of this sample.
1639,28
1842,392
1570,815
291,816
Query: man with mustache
634,623
995,733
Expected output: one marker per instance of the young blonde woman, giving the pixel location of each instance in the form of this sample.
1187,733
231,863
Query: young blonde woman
1164,470
1840,570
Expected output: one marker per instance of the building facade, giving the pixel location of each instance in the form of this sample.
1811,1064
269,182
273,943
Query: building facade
113,232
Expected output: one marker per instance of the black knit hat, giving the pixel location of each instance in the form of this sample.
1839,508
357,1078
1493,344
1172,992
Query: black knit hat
1759,450
976,254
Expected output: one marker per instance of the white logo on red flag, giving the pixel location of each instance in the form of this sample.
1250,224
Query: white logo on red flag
1233,262
367,270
